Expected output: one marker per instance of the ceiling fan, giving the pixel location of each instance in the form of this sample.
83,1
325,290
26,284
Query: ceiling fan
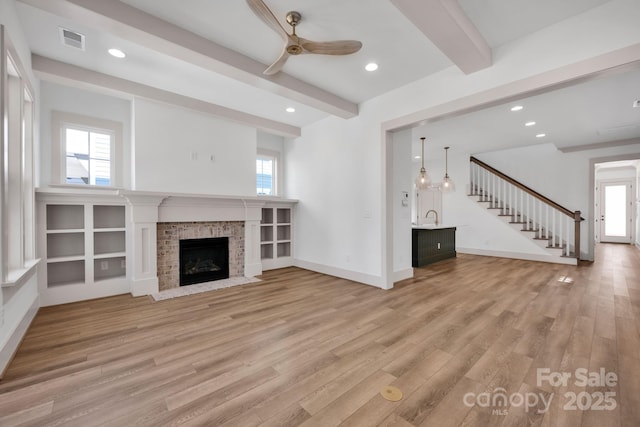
295,45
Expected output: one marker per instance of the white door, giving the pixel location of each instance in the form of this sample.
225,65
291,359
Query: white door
615,212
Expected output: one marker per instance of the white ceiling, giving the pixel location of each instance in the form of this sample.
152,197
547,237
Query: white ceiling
158,56
596,111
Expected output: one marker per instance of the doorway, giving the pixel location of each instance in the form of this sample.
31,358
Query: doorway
615,211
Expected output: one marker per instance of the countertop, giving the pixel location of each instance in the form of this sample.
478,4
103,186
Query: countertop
432,226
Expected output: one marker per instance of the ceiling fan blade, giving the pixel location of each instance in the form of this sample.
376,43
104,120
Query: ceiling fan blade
277,66
338,47
263,12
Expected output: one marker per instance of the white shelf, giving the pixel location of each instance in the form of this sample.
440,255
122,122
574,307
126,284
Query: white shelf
110,255
67,231
65,259
107,230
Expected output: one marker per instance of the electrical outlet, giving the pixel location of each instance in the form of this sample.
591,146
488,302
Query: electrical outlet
104,265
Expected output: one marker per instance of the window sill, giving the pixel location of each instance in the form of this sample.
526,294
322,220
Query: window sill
86,187
18,277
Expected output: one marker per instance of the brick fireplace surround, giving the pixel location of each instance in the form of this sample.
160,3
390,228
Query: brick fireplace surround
169,235
158,221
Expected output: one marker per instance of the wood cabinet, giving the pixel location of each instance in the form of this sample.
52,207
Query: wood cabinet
430,245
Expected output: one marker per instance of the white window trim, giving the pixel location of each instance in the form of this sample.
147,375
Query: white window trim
277,179
58,122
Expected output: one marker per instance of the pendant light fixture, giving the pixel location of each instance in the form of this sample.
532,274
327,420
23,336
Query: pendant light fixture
423,181
447,185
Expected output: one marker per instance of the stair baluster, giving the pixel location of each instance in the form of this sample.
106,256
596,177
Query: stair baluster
547,220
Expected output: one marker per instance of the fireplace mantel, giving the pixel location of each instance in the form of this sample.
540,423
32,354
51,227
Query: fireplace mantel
150,208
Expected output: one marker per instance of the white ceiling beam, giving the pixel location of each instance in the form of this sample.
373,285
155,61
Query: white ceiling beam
61,72
161,36
448,27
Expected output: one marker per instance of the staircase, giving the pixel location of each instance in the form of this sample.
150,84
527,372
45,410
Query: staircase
552,226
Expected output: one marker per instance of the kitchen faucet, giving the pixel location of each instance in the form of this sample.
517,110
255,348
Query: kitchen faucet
427,215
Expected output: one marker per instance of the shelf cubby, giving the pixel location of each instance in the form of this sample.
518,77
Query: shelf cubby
266,251
65,273
284,249
65,217
266,234
107,216
108,242
109,268
284,215
65,244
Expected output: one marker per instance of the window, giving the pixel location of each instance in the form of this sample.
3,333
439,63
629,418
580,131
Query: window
266,167
88,156
87,151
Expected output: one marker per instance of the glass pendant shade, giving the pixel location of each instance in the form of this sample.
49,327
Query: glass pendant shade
423,181
447,185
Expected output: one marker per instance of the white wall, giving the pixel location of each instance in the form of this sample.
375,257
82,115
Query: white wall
173,149
402,183
55,97
334,170
271,142
337,167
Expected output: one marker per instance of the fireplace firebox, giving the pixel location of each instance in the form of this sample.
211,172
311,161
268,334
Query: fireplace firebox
204,260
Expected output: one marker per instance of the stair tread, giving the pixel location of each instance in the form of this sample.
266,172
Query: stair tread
538,230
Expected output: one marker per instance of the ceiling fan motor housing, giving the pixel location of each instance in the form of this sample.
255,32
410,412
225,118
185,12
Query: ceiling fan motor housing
293,18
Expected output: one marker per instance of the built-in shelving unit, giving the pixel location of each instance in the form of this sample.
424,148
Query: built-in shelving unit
65,244
84,243
109,242
275,237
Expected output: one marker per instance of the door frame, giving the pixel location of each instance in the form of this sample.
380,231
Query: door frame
599,209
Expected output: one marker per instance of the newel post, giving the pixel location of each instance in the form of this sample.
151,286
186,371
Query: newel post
577,219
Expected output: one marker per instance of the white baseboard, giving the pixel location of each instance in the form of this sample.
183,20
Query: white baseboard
366,279
252,270
518,255
142,287
401,275
7,352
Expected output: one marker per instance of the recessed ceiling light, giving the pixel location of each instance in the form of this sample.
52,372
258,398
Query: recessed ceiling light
290,110
117,53
517,108
371,66
541,135
417,157
530,123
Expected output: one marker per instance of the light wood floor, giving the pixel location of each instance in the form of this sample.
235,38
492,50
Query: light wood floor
302,348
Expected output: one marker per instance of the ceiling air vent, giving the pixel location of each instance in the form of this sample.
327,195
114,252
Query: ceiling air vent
71,38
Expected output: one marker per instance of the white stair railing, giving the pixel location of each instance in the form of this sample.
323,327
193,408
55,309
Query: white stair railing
537,214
